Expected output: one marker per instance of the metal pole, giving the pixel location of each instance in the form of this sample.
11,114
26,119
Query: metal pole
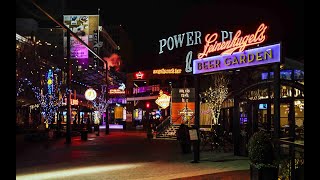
276,120
106,96
236,116
68,133
292,126
291,116
171,102
196,144
236,127
269,103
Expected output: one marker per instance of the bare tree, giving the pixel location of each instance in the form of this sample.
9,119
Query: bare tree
100,104
216,94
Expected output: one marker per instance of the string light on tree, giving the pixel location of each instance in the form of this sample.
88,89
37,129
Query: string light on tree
216,94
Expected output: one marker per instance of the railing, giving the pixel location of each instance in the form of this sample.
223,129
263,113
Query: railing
162,126
192,117
291,165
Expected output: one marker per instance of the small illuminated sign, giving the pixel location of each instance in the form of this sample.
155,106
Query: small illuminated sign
72,102
122,86
163,100
251,57
90,94
116,91
139,75
167,71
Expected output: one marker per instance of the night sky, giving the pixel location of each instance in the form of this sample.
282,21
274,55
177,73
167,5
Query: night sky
148,22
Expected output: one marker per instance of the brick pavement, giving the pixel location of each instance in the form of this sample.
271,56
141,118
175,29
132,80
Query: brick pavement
123,155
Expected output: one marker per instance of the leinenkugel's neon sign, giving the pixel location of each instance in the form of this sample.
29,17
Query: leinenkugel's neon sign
229,59
237,42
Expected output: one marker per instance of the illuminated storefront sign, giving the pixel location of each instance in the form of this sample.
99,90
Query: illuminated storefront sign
251,57
167,71
163,100
144,89
237,42
116,91
183,94
139,75
117,100
90,94
228,45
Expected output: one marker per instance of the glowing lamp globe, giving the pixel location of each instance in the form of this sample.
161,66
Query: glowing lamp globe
90,94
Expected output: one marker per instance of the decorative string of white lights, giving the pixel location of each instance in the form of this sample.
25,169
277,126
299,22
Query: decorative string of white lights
100,103
80,83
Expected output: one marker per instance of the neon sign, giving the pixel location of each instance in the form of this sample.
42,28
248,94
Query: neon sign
167,71
90,94
116,91
139,75
251,57
163,100
237,42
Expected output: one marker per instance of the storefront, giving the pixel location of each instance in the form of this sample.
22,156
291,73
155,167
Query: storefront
252,103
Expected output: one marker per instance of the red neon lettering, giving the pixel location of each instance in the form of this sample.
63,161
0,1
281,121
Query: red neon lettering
237,42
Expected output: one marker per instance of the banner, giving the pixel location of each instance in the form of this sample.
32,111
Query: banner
86,27
183,95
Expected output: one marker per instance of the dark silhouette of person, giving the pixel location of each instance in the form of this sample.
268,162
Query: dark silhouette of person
75,120
88,123
184,138
59,124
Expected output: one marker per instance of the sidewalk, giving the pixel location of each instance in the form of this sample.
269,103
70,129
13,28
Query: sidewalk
124,155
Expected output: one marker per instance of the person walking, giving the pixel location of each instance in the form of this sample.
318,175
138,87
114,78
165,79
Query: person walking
184,138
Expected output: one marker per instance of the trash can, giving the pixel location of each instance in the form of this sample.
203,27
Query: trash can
84,134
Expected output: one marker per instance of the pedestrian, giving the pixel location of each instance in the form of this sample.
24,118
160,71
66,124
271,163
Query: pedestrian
184,138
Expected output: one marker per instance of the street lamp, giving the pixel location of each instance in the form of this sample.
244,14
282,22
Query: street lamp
106,96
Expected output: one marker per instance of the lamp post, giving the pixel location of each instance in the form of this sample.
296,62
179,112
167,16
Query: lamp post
106,97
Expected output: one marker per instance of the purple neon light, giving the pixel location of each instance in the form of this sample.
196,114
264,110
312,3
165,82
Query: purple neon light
275,58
